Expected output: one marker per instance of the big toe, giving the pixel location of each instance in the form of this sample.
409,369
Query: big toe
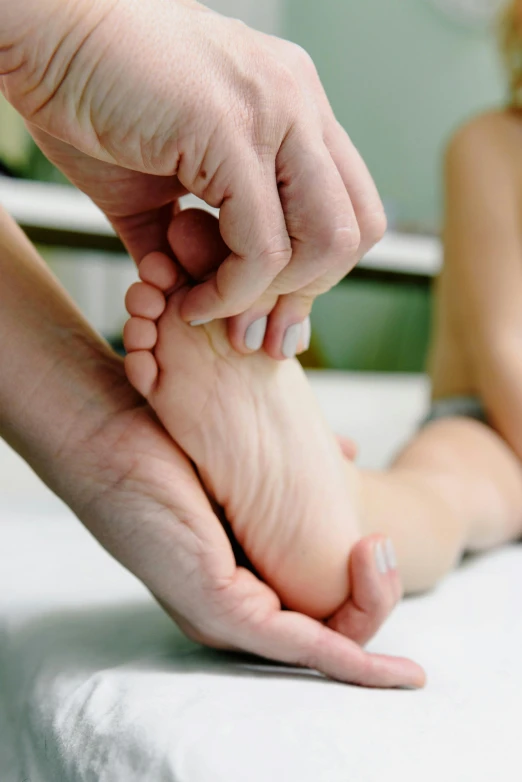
197,244
376,589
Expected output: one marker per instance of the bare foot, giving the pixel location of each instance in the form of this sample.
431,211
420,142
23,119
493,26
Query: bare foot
253,428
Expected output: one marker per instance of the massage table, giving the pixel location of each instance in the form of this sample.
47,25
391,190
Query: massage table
98,685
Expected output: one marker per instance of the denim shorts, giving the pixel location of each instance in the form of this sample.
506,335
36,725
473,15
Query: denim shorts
456,406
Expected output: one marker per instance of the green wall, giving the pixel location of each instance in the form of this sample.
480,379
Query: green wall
400,77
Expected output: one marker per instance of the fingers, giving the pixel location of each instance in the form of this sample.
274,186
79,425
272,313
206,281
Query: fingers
366,202
196,242
319,215
289,329
252,225
264,326
376,589
299,640
255,623
367,216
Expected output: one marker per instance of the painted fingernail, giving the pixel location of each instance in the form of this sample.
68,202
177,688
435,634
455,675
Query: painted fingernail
291,340
391,556
307,333
255,333
380,558
200,322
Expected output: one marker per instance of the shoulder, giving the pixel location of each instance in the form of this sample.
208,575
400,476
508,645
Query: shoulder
492,138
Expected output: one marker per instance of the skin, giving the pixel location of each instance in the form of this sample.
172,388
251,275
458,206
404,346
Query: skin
461,480
139,103
67,408
457,486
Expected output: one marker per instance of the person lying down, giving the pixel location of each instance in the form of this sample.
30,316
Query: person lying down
296,505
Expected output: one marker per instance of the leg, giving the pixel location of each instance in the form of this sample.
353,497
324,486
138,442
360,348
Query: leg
456,487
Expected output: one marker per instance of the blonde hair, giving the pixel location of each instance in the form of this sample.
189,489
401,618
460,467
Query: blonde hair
510,38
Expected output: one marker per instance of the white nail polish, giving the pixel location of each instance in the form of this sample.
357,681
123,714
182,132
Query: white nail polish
380,558
255,333
307,333
291,340
200,322
391,557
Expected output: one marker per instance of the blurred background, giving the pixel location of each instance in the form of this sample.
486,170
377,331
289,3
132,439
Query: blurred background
401,75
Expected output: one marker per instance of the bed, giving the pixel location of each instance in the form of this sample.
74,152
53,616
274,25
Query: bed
97,685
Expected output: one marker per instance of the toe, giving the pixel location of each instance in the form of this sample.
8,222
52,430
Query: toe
196,242
139,334
142,371
145,301
159,270
376,589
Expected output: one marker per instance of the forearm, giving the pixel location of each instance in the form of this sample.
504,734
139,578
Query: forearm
59,382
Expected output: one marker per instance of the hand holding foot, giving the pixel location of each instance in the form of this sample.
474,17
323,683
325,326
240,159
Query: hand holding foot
143,501
199,386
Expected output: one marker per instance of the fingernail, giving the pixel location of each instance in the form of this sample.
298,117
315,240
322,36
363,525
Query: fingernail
200,322
291,340
307,333
255,333
391,556
380,558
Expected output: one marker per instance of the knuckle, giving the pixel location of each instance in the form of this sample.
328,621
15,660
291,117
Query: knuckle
340,243
301,58
373,228
276,259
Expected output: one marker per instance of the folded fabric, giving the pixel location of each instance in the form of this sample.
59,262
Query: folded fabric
97,684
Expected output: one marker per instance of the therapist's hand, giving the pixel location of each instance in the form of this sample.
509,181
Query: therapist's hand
170,96
144,502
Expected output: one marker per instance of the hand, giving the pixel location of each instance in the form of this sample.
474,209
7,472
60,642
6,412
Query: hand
182,98
145,504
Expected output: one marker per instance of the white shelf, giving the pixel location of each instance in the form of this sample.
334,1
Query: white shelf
62,208
52,206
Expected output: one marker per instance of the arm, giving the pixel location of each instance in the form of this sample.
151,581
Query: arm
483,258
60,381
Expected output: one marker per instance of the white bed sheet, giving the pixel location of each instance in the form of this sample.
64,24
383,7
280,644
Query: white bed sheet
97,685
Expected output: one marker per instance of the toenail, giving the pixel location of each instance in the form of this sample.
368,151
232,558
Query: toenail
380,558
291,340
391,556
255,333
307,333
200,322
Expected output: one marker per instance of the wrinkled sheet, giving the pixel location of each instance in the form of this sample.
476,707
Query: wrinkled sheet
97,685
